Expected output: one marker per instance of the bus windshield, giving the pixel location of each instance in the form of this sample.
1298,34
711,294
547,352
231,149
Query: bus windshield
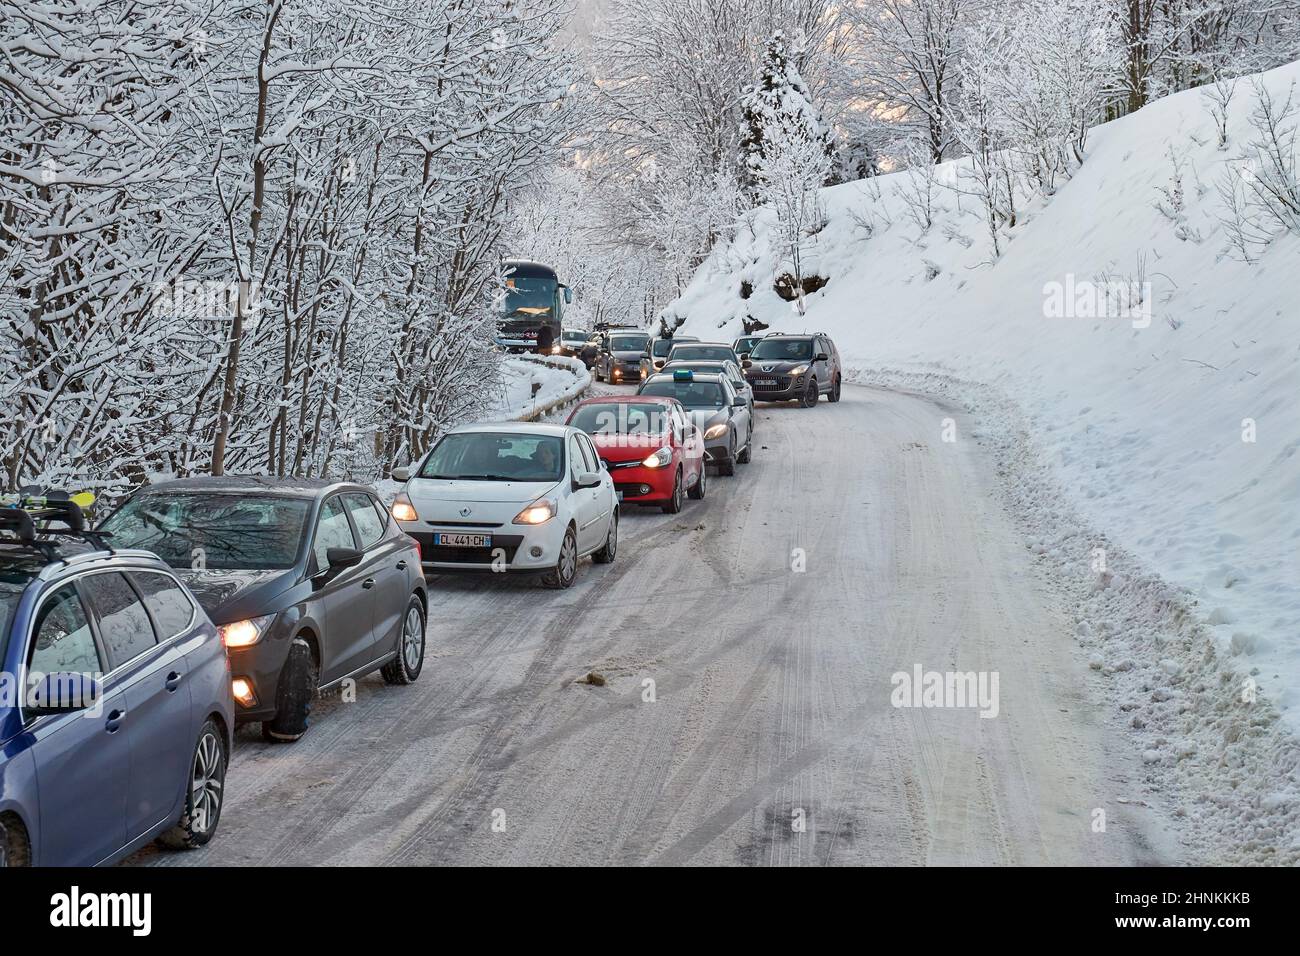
529,296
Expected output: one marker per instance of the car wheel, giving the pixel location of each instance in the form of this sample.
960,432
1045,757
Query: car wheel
15,847
606,554
809,394
566,569
406,666
205,792
674,504
728,468
293,695
834,395
697,493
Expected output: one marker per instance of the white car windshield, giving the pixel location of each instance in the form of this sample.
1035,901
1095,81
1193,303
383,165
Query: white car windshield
496,456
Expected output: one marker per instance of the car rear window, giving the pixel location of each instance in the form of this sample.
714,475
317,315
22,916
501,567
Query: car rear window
218,532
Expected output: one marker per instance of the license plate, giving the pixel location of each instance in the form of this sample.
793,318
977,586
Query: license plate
764,381
463,540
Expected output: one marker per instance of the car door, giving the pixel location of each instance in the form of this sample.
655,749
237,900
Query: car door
83,757
606,496
152,675
739,415
822,366
586,504
385,563
342,600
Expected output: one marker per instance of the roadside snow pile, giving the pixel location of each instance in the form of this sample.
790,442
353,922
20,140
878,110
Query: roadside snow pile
1159,372
559,379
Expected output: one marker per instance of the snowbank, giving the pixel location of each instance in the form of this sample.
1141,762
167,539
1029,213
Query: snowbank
561,380
1172,429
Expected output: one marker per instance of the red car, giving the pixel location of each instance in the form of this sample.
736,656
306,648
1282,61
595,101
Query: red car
653,452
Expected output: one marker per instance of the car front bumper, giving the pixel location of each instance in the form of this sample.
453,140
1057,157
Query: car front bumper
787,388
514,547
638,484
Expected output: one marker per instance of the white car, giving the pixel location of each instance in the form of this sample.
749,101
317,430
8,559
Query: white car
510,497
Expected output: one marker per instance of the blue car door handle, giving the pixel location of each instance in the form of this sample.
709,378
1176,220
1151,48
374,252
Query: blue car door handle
173,681
115,718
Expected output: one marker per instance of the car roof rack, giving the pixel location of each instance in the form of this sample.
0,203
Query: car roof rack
19,514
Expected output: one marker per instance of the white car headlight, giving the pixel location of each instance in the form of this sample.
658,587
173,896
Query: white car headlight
798,370
716,431
403,510
539,512
245,633
663,456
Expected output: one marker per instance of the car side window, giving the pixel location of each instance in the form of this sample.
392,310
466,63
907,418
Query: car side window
577,463
589,452
369,528
63,642
167,602
123,623
332,531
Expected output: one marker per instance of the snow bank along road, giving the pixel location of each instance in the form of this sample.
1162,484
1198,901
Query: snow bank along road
771,738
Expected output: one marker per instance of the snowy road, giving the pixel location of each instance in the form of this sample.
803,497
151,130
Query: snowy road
772,690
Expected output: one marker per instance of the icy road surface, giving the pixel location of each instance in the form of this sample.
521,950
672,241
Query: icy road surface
772,689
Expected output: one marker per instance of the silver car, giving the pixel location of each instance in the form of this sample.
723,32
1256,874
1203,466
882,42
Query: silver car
721,415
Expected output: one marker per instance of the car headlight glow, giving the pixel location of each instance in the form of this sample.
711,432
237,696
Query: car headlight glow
539,512
245,633
716,431
658,459
403,510
798,370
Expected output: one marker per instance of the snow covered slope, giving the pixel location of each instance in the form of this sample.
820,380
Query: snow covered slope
1176,430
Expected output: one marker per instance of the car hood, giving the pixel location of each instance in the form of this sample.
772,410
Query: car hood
627,447
762,366
234,595
428,490
702,418
627,356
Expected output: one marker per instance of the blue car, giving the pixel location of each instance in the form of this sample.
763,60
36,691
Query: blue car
115,706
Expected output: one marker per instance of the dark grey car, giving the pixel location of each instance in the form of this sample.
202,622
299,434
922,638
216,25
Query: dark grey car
309,582
619,358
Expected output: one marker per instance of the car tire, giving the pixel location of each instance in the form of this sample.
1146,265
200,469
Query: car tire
565,571
728,468
293,695
674,504
810,395
204,791
834,394
406,666
15,846
607,553
697,493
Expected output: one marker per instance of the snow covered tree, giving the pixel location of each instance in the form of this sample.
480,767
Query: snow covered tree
778,104
905,56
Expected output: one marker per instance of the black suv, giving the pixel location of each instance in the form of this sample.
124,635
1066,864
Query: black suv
794,368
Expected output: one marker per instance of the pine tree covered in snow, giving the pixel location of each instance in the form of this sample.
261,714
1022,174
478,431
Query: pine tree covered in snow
778,111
